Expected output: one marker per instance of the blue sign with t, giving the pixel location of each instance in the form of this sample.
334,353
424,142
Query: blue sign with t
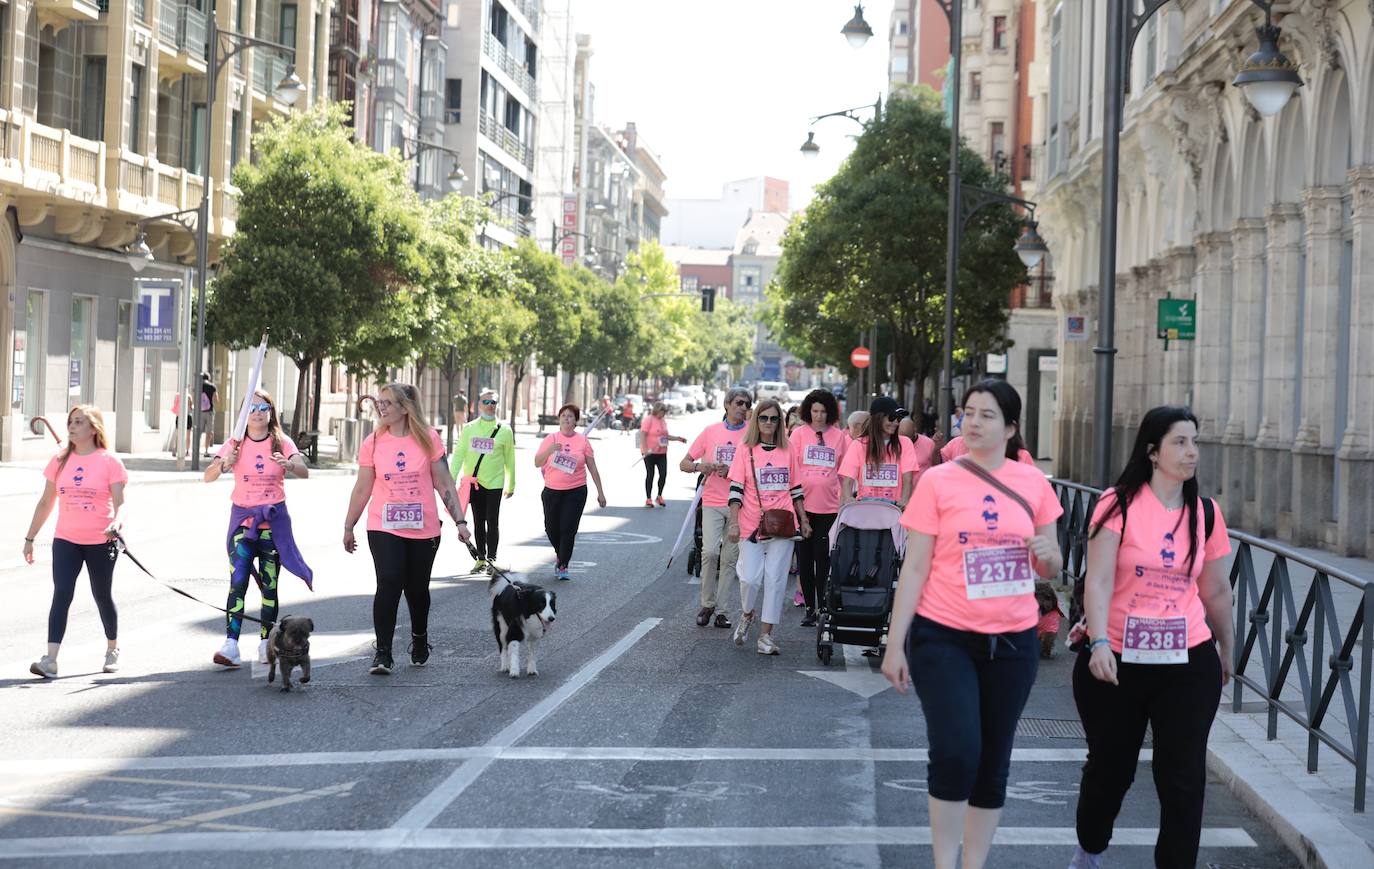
155,319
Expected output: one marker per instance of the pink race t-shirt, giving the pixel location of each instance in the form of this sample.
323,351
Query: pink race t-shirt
84,506
981,578
403,499
767,484
956,448
655,433
567,467
885,480
817,457
257,479
1152,576
717,445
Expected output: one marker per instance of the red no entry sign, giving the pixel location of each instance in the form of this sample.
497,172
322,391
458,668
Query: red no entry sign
860,357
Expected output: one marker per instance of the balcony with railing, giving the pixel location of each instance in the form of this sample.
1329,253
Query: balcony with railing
507,63
60,13
183,31
268,71
505,139
50,162
528,9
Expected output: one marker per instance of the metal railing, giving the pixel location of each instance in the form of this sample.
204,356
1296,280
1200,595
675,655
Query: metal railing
509,142
1273,632
492,47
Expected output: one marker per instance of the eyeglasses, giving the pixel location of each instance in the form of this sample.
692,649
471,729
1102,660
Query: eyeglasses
741,402
385,404
262,407
770,418
488,401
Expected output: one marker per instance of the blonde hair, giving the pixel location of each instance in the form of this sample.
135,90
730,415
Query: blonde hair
408,397
97,421
751,434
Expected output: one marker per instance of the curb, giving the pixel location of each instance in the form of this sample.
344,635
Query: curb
1310,831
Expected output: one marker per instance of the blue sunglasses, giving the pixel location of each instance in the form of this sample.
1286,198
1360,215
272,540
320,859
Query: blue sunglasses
264,407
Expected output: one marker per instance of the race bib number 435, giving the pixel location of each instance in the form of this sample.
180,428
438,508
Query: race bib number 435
997,571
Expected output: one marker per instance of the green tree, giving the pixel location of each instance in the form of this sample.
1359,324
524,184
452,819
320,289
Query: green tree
612,332
558,307
670,342
870,249
726,337
327,244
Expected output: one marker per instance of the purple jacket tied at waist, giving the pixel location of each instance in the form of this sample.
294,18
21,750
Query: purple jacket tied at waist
276,516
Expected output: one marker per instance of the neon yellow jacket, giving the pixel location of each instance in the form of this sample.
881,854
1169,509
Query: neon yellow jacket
498,468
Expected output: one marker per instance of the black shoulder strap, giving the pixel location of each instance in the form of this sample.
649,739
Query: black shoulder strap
981,473
1209,518
477,467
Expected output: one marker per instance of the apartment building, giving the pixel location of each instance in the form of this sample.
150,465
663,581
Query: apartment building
492,102
647,206
557,142
103,121
918,45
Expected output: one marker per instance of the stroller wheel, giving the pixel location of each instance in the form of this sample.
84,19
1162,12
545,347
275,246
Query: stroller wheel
824,652
692,564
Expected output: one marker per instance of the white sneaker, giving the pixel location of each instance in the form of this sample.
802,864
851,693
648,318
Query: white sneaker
228,654
262,651
45,666
746,620
111,661
767,645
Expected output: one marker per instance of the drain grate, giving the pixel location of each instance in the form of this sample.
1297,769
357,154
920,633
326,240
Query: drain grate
1059,728
1051,728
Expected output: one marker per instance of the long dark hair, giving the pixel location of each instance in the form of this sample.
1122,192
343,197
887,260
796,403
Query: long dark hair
1154,428
878,444
1009,401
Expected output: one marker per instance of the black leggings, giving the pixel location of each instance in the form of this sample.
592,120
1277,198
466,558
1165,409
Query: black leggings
813,557
67,558
652,461
1179,701
562,515
486,516
403,567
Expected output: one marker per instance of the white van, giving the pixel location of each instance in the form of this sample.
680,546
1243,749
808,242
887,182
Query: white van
774,389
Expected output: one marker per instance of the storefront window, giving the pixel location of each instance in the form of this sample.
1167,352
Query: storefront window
28,358
81,364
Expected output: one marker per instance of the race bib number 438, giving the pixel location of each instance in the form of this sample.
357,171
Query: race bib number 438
772,479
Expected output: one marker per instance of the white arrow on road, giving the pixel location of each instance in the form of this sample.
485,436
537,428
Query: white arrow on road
856,676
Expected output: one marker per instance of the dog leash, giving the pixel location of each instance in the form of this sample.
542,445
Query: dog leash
118,545
472,550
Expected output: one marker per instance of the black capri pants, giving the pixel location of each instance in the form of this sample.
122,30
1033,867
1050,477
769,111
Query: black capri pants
403,566
654,461
562,515
67,558
486,520
972,687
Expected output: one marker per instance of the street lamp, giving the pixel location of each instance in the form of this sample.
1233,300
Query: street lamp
1030,247
411,149
856,31
810,150
1267,78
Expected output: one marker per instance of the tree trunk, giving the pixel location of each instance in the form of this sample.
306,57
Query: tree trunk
302,389
515,396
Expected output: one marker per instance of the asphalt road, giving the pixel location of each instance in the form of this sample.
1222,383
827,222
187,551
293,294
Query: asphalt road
644,741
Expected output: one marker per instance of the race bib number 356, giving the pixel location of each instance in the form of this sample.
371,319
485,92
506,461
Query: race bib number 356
725,454
997,571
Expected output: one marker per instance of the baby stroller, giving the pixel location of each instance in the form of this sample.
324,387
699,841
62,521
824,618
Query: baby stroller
694,557
867,543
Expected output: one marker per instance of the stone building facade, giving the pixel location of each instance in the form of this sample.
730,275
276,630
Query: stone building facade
1267,222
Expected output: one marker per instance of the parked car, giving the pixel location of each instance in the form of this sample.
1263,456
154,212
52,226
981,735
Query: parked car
774,389
712,397
696,397
677,402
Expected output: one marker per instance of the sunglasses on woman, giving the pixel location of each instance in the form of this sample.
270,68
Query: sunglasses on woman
259,407
769,418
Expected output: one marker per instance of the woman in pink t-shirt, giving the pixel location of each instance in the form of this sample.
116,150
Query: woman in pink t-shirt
566,458
1158,607
653,446
980,530
817,448
259,465
400,467
763,476
882,464
87,482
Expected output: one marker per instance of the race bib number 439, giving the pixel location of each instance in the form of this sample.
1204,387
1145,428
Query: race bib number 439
997,571
1155,641
396,517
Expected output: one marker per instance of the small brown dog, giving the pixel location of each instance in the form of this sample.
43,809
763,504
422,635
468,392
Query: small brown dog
1051,613
289,644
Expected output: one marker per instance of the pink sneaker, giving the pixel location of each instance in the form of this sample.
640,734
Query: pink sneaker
798,599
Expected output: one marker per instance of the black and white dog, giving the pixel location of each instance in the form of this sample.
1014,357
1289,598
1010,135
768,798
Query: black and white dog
520,615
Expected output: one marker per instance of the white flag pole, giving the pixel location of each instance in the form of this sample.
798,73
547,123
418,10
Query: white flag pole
242,424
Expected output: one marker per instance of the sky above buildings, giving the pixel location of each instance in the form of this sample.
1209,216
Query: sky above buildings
725,89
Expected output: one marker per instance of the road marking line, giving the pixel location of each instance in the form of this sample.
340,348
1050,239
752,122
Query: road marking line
198,784
118,819
194,820
423,813
59,768
497,839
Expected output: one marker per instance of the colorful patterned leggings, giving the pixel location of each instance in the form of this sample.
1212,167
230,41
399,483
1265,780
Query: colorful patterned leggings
241,569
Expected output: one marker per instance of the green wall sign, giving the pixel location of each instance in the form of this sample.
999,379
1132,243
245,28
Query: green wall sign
1177,319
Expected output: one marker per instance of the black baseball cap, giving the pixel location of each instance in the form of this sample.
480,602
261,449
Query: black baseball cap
888,407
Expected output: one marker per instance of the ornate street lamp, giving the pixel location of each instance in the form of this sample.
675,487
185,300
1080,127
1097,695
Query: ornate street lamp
810,150
1030,247
1268,78
856,30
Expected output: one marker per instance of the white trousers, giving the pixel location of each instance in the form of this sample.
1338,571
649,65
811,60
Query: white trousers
763,572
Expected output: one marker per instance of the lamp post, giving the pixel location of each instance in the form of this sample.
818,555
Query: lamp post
810,150
223,45
411,149
491,204
1267,78
856,31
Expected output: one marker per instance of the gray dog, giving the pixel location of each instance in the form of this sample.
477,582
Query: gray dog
289,644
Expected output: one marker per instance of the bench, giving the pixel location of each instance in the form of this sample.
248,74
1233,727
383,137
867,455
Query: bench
547,419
